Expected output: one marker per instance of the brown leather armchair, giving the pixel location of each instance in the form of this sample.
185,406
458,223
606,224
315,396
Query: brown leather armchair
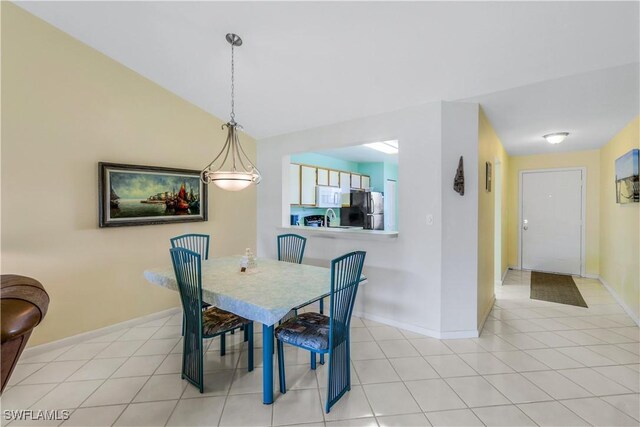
24,305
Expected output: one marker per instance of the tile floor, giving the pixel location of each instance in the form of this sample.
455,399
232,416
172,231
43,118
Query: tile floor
535,363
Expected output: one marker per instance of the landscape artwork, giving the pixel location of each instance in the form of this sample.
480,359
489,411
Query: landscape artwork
143,195
627,185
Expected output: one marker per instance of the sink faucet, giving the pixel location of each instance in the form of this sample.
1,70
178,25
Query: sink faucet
327,216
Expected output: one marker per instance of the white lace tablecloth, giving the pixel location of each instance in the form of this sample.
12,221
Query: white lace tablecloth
264,294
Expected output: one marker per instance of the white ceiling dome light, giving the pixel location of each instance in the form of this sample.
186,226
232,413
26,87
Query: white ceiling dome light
556,137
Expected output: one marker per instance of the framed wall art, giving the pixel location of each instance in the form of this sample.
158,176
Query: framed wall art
143,195
627,186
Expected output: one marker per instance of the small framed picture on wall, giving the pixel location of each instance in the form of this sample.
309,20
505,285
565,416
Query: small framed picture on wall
487,185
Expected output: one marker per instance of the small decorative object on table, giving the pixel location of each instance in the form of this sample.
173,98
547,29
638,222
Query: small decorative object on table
251,259
248,261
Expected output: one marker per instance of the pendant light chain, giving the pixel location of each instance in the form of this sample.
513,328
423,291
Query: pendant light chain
233,104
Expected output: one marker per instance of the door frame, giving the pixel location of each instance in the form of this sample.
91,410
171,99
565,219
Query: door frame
583,228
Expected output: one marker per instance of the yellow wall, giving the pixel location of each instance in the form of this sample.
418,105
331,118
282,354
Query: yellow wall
490,149
65,108
619,224
590,160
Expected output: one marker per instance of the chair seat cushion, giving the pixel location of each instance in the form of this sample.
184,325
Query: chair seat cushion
215,320
308,330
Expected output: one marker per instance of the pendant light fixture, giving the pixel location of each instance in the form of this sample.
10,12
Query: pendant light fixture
236,171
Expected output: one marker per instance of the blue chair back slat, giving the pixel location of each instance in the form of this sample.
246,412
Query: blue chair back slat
198,243
187,267
345,277
291,248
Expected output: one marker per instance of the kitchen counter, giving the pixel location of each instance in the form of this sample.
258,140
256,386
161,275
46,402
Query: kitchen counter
342,232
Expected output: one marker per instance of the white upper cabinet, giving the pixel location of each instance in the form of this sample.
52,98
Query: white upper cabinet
323,176
308,185
355,181
334,178
294,184
365,181
345,186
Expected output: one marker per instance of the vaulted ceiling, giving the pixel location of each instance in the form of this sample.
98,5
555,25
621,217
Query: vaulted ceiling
536,67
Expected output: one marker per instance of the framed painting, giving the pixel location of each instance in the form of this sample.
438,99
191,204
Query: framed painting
627,186
143,195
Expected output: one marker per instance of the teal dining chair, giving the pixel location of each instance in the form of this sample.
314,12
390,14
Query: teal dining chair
201,324
198,243
318,333
291,249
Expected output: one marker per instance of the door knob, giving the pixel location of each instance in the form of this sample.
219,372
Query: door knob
525,228
524,224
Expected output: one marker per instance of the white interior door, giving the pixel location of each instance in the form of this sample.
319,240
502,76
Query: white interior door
551,228
390,203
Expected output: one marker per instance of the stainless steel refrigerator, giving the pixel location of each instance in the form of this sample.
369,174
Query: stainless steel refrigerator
366,210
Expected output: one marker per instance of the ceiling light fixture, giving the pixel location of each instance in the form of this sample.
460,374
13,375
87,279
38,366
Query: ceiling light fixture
240,172
387,147
556,138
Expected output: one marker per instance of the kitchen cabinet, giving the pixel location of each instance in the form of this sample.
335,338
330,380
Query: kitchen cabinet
366,182
334,178
323,176
294,184
355,181
345,186
308,185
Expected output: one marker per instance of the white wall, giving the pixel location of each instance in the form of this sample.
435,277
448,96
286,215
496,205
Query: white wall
405,281
459,304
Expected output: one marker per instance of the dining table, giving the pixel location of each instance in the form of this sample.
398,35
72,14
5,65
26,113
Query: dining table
264,294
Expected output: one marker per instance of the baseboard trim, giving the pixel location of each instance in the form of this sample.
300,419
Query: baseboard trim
76,339
486,314
591,276
417,329
620,301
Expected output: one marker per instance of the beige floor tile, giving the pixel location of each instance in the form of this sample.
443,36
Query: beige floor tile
102,416
146,414
297,406
162,387
551,414
67,395
414,420
503,416
597,412
594,382
456,417
556,385
203,411
485,363
434,395
413,368
476,391
398,348
623,375
450,365
390,399
517,388
54,372
246,410
627,403
23,396
375,371
97,369
116,391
